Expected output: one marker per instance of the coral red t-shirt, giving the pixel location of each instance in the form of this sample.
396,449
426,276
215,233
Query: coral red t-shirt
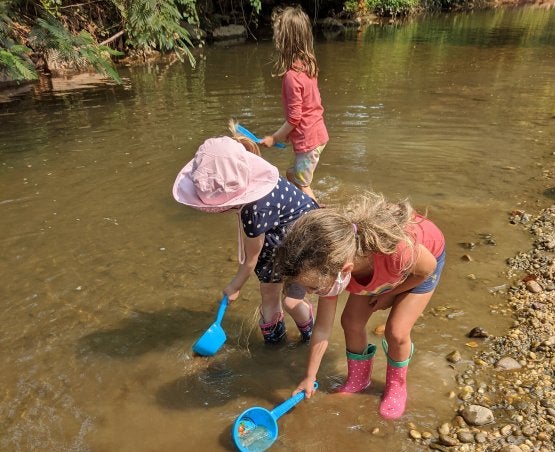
388,268
303,110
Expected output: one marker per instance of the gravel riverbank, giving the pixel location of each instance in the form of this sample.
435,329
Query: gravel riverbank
506,395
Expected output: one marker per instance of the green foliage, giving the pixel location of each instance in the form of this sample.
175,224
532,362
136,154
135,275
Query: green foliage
156,24
77,50
351,6
256,5
51,6
433,5
12,60
13,57
386,7
392,7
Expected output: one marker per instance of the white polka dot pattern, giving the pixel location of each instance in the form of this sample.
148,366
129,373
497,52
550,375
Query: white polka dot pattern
271,218
394,398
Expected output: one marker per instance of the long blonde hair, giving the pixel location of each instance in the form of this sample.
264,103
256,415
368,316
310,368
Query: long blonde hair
293,41
323,240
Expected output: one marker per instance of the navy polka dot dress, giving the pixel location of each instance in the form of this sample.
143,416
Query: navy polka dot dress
272,215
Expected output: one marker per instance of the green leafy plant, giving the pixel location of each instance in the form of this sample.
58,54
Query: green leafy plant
384,7
14,59
156,24
393,7
77,50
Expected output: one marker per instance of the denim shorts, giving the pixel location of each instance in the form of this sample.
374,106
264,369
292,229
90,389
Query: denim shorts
431,283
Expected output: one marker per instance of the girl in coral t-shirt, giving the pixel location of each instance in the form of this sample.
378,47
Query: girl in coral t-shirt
387,257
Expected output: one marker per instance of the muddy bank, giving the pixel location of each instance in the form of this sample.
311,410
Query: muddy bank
506,394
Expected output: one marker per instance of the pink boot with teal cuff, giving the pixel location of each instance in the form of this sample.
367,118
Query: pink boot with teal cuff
359,371
394,398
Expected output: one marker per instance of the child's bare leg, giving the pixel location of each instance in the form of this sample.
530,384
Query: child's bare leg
271,300
298,309
306,190
272,324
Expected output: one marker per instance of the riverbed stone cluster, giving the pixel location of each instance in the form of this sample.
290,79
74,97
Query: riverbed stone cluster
506,394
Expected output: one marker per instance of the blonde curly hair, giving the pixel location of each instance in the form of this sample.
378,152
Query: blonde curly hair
323,240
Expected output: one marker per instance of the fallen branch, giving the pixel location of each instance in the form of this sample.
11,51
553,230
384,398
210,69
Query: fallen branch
113,38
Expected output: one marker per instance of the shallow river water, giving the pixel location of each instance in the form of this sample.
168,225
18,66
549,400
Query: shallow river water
106,282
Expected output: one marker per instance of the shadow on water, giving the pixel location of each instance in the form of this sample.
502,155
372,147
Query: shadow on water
213,384
216,380
549,193
144,332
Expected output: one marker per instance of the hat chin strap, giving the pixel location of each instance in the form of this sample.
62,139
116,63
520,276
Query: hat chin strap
240,244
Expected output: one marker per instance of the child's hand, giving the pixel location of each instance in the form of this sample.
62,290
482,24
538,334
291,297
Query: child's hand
231,292
307,385
268,141
381,302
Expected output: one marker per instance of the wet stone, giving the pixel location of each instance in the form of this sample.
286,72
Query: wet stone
459,420
436,446
533,286
465,437
444,428
543,436
507,363
447,440
514,439
510,448
415,434
454,357
467,245
480,437
477,415
477,332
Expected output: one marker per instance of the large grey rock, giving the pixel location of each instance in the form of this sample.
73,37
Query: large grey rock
477,415
507,363
229,32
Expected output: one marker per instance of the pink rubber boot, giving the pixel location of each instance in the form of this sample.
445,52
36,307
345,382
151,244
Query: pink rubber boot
394,397
359,371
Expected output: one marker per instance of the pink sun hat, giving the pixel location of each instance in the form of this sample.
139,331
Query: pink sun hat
222,175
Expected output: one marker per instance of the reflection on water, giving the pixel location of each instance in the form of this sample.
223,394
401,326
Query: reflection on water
107,282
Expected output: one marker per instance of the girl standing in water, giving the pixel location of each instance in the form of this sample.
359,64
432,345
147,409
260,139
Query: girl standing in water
387,257
304,123
224,177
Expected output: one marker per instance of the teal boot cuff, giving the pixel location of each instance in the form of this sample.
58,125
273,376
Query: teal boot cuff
366,355
394,363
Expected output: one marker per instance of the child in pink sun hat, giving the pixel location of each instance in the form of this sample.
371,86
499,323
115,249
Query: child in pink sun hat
387,257
223,176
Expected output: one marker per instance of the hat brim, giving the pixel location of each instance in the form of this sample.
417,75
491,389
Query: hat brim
263,178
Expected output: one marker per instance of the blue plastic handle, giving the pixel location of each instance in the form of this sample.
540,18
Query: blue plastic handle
280,410
246,132
221,310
